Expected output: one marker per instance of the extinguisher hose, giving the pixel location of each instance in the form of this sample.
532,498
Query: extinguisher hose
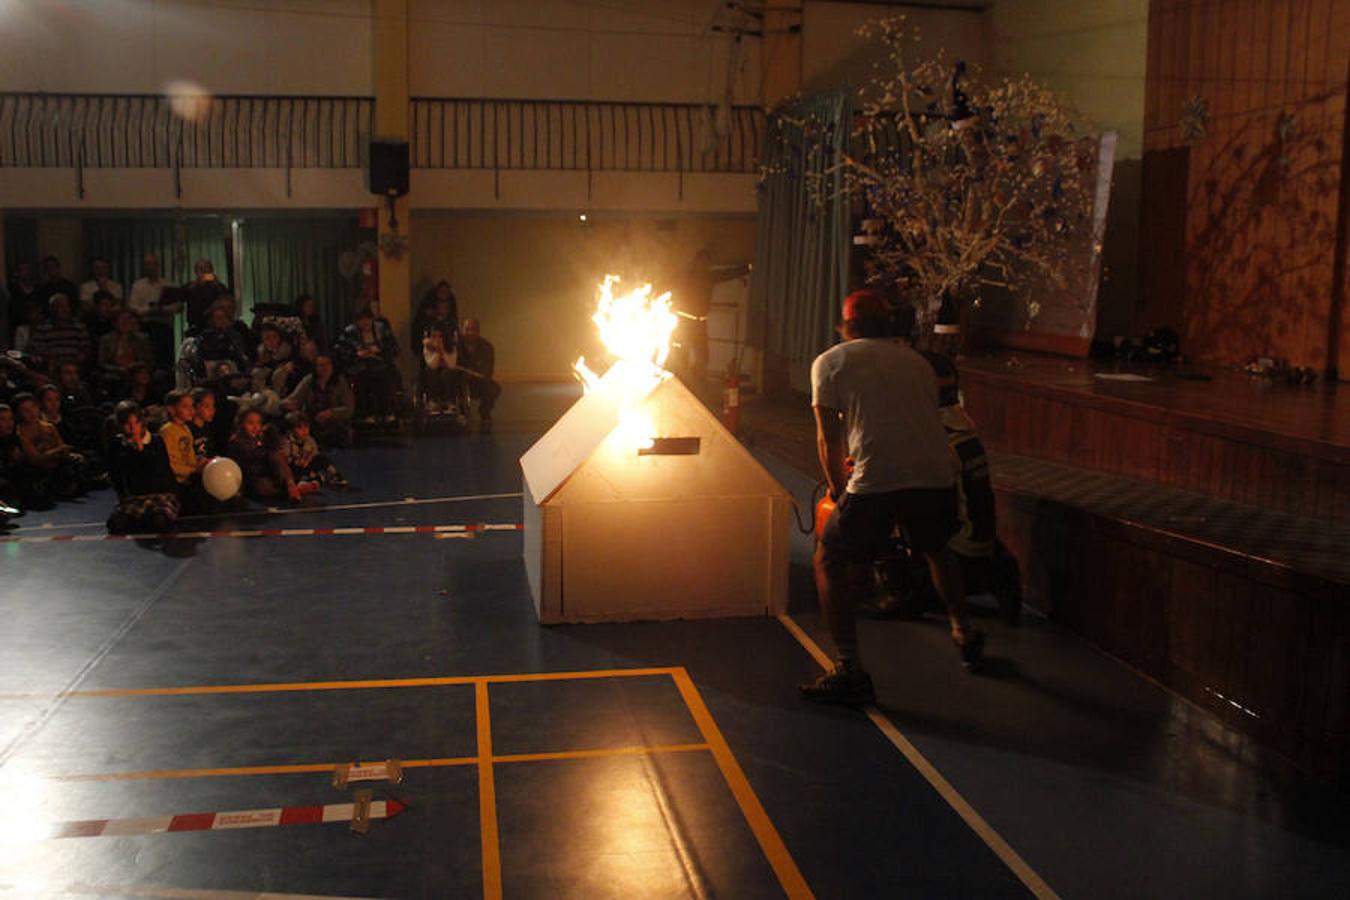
807,525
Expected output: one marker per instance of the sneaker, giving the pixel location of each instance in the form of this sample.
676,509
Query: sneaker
971,650
842,685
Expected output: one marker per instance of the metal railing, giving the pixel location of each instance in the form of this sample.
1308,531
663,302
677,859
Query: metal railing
584,135
82,131
153,131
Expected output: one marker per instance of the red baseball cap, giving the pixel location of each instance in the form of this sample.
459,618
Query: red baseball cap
865,304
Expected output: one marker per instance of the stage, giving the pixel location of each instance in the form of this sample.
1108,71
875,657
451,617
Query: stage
1198,530
1234,435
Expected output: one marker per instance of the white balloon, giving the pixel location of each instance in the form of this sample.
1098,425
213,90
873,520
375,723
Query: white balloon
222,478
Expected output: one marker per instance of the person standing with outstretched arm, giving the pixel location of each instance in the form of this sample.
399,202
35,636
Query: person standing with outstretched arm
876,402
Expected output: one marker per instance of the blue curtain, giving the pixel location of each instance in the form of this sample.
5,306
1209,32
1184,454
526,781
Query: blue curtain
282,258
801,246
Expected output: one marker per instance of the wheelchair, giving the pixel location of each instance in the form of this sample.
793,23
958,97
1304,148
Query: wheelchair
434,407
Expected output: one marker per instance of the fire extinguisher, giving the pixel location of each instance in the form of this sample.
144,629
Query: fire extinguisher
731,398
826,504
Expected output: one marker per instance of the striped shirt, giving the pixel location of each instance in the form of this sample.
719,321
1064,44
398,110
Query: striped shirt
60,342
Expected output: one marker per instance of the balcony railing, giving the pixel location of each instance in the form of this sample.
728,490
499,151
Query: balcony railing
146,131
584,135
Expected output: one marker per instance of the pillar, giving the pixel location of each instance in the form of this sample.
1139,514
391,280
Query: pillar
781,59
390,55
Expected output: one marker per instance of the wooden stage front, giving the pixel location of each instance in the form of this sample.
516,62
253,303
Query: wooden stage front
1237,436
1197,529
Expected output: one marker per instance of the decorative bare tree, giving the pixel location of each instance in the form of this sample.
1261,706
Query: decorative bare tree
974,184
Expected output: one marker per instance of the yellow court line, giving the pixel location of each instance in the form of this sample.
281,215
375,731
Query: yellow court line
600,753
294,686
434,763
487,797
789,876
976,822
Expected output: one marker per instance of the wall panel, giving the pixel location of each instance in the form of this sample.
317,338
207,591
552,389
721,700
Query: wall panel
1260,216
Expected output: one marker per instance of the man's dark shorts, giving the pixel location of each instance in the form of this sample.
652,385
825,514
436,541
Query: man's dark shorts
859,530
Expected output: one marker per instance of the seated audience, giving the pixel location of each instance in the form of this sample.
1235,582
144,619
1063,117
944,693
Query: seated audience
25,330
101,319
124,346
202,293
51,467
327,402
74,393
205,439
293,371
370,356
307,463
140,471
186,466
262,459
54,282
307,311
61,338
246,335
273,352
147,300
140,389
12,481
440,372
221,345
101,282
25,296
49,407
478,360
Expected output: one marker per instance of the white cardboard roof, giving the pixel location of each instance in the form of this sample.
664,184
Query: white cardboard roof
572,441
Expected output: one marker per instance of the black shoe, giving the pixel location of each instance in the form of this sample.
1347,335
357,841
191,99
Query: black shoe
842,685
971,650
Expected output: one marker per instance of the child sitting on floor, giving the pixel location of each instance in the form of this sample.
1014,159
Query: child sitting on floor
203,423
146,501
302,453
262,460
49,403
11,460
50,465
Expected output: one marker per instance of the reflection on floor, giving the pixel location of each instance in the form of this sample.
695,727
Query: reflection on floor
605,783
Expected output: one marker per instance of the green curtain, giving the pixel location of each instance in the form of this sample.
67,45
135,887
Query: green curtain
801,245
282,258
178,242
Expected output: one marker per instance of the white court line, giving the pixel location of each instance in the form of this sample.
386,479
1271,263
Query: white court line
286,511
165,893
977,823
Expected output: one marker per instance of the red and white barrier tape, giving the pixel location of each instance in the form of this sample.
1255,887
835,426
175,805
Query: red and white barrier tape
218,821
446,530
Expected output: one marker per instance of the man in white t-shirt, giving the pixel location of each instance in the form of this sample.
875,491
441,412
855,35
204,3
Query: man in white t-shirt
102,281
876,406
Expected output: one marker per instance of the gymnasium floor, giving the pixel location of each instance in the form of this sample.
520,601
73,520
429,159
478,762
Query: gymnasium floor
647,760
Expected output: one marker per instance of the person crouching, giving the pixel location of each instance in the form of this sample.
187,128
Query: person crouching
139,467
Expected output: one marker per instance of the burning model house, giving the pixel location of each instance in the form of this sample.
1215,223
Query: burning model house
638,503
